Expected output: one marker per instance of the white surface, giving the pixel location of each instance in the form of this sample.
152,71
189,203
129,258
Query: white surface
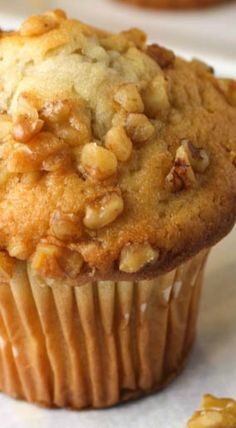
210,35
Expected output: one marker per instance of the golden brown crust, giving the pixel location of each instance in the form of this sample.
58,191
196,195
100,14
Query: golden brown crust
107,144
173,4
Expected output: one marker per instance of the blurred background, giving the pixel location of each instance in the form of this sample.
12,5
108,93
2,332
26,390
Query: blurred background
208,33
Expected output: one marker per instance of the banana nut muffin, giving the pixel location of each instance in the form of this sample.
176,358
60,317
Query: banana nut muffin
173,4
215,413
118,171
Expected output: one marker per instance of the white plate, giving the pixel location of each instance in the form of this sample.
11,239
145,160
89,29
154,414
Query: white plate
210,35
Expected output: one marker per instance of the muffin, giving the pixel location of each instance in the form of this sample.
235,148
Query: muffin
117,177
215,413
173,4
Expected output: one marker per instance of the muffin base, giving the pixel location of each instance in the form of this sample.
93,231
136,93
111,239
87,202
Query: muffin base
98,344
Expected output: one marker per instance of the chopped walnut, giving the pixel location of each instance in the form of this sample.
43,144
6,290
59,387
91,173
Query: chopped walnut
24,130
38,25
134,257
80,121
97,161
56,111
26,122
155,96
69,122
129,98
165,58
65,226
136,36
215,413
51,261
115,42
119,118
103,211
181,176
7,264
139,128
58,13
189,159
29,158
71,263
198,157
119,143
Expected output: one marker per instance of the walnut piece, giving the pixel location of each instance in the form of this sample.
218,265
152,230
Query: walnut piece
119,143
198,157
181,175
188,160
24,129
65,226
215,413
103,211
155,96
164,57
134,257
97,161
26,121
38,25
56,111
139,128
129,98
51,261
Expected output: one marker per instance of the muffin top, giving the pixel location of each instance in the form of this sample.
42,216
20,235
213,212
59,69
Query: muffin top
118,160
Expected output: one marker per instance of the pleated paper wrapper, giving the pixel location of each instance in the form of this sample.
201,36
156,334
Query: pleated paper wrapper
97,344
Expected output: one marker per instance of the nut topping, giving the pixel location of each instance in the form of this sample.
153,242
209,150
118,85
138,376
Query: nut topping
51,261
38,25
181,176
165,58
56,111
24,130
188,159
65,226
129,98
98,162
198,157
71,263
134,257
155,96
139,128
26,124
103,211
29,158
119,143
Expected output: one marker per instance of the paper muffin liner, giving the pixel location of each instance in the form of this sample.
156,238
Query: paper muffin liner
97,344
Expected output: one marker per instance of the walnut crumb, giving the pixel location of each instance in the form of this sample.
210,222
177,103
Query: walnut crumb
165,58
215,413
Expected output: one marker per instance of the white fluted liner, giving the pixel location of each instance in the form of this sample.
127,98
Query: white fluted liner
98,344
